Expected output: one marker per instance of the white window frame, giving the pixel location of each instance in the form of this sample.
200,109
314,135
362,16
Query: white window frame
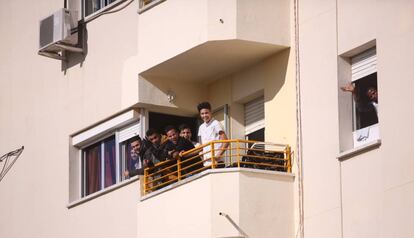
123,127
104,7
362,65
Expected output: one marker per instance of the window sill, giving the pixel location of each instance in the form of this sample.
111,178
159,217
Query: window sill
102,192
149,6
359,150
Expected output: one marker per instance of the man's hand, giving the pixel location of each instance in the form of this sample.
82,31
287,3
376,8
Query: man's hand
348,88
126,173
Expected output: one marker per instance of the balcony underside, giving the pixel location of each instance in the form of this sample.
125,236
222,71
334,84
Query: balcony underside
212,60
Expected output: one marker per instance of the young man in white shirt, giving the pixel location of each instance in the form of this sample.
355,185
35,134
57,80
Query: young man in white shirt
209,131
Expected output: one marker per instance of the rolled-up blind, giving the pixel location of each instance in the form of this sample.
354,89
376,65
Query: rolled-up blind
254,115
364,64
129,131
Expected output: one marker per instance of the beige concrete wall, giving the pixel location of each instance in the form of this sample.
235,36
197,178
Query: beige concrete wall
395,80
319,102
362,196
260,203
162,37
41,105
265,21
387,177
375,185
273,78
187,95
266,205
357,23
158,39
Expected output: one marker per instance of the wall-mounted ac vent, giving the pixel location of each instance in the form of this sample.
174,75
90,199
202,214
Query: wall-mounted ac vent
58,34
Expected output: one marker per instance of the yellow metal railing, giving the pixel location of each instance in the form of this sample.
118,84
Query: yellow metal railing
218,154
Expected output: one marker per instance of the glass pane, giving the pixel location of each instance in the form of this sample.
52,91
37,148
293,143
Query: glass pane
92,6
110,161
366,111
92,168
126,160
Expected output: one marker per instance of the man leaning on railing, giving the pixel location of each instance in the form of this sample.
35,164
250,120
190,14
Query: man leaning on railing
176,146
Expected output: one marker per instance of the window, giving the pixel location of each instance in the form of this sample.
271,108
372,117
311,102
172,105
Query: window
101,154
254,119
99,166
91,6
365,95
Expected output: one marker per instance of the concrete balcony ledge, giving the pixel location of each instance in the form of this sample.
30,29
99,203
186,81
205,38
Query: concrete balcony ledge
259,202
281,175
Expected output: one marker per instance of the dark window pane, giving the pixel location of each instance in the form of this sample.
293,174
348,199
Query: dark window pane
92,6
92,168
366,114
110,161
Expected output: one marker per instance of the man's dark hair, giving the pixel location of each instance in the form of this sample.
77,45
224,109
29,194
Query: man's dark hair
151,131
204,105
169,128
135,138
183,127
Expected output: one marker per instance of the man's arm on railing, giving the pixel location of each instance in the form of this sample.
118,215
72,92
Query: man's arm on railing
224,145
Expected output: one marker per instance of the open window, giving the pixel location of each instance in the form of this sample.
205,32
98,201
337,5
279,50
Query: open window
365,95
99,154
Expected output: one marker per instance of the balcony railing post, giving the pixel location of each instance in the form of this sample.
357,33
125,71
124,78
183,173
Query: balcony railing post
145,180
213,161
238,153
288,159
179,169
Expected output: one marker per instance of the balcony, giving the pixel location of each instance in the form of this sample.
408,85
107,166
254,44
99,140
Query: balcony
205,39
251,183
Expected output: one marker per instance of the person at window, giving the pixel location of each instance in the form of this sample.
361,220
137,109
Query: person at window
209,131
156,151
136,163
185,132
367,103
177,145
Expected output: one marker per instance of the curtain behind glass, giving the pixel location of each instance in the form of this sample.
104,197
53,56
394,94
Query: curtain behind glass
92,168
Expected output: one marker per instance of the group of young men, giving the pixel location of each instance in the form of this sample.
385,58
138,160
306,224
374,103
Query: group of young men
152,150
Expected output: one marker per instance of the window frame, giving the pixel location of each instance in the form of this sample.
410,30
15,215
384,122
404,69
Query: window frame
101,9
368,69
122,126
102,163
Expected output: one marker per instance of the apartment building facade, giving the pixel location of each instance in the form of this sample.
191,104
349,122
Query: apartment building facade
272,71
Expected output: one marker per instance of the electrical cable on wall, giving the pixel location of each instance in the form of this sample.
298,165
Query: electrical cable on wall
299,162
8,160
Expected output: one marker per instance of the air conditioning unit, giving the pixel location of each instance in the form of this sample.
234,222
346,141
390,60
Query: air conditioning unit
58,32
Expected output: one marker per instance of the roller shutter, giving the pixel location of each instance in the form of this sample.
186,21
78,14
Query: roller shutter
364,64
254,115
